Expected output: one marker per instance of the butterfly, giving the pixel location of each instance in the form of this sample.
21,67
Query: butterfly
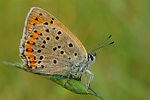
47,47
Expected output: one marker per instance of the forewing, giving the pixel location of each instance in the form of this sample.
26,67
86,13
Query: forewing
38,16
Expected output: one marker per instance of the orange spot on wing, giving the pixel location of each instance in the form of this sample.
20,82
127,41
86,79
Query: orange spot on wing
30,42
35,20
32,61
31,57
29,50
37,32
33,37
32,64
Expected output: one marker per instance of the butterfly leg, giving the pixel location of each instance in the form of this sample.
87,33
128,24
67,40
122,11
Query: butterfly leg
86,78
91,78
66,80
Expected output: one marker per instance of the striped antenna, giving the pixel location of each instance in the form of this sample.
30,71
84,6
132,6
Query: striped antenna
97,47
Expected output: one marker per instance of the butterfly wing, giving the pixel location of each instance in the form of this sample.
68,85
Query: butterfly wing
47,46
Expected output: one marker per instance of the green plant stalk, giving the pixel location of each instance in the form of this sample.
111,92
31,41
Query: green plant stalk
73,85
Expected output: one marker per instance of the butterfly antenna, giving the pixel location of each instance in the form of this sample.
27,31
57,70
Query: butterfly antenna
97,47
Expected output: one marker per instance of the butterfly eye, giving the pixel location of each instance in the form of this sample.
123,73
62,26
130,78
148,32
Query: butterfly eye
92,58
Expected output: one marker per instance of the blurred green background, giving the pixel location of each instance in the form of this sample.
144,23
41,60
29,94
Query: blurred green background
121,71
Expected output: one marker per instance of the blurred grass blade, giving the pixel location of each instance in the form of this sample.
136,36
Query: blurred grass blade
73,85
18,65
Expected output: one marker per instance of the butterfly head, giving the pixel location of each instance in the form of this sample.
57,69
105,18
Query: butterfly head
91,58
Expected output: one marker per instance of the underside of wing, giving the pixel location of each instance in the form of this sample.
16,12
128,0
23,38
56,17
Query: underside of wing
49,50
38,16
